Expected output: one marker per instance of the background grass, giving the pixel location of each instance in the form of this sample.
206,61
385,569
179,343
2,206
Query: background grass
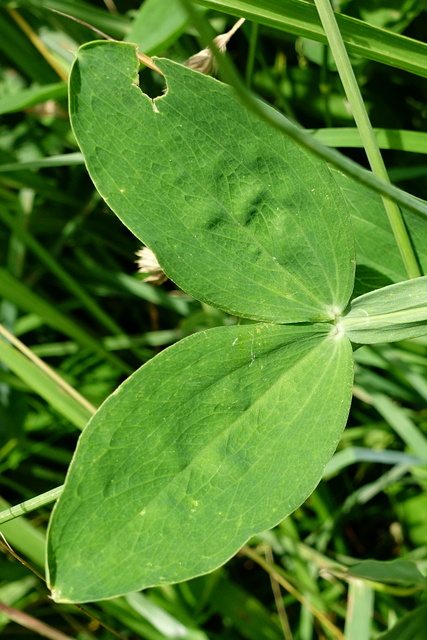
70,293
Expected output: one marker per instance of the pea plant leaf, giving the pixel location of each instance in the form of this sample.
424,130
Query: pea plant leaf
398,571
238,215
217,438
391,313
225,433
372,230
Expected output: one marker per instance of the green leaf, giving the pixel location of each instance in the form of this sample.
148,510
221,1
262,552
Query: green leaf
217,438
21,52
71,283
64,160
113,23
301,18
32,96
238,215
40,382
372,230
166,624
399,571
399,139
400,420
410,627
359,611
24,298
247,614
396,312
157,25
397,15
351,455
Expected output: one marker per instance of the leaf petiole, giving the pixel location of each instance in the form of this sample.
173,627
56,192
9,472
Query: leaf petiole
30,505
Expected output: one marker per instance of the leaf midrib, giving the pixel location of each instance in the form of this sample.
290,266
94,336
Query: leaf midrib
238,418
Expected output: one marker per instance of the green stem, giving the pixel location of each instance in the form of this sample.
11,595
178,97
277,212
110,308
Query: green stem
277,120
361,118
325,85
253,41
30,505
410,317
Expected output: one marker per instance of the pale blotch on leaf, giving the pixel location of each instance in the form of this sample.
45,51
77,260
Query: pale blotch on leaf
147,263
204,61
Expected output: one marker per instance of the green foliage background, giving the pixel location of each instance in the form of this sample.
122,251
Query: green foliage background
70,293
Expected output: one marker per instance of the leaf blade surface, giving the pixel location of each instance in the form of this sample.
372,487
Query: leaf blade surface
301,18
238,215
215,439
372,230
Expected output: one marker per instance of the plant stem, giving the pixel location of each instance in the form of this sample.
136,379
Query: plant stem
253,41
361,118
275,587
33,624
325,86
394,319
30,505
277,120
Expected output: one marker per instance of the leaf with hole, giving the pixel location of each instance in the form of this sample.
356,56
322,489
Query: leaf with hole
227,432
238,215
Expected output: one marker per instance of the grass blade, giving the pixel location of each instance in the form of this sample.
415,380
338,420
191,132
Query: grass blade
26,299
300,18
40,382
359,611
397,139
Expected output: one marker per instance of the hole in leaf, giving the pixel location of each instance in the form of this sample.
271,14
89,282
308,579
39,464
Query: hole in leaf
151,83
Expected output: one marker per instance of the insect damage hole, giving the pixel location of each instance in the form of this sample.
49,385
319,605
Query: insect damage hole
152,84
